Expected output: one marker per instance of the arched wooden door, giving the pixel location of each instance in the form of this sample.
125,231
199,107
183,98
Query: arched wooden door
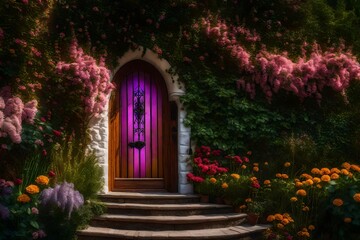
142,146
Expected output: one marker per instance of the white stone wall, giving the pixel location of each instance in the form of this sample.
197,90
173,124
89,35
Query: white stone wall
99,127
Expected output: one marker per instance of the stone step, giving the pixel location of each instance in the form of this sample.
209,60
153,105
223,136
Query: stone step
168,222
238,232
166,209
148,198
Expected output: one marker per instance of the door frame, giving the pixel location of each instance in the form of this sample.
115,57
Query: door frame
170,153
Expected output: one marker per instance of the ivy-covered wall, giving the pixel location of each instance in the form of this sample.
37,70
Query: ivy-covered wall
278,78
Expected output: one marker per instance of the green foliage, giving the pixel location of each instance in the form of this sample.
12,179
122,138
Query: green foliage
81,169
34,166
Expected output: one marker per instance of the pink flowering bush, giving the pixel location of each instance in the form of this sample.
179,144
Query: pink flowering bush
13,112
305,77
92,79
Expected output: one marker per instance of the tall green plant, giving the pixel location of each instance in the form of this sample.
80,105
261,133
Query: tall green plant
78,167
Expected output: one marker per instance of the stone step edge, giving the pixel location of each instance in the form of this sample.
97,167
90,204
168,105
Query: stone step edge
137,195
165,207
216,233
171,219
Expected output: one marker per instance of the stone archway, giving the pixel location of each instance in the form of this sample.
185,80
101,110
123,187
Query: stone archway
99,127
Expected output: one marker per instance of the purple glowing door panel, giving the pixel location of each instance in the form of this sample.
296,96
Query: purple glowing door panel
141,126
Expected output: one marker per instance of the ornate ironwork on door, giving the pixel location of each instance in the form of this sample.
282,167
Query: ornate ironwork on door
139,119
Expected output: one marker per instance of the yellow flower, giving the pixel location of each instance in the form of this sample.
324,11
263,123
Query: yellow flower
42,180
325,178
347,220
278,217
267,182
270,218
346,165
325,171
357,197
248,200
301,192
23,198
293,199
213,180
335,170
306,209
285,221
338,202
284,176
345,172
243,166
309,182
311,227
315,171
255,169
334,176
235,176
32,189
280,226
287,164
224,185
316,180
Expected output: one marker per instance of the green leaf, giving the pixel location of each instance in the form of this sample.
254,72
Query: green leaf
34,224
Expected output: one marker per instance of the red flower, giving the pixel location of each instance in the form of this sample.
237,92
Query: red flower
57,133
249,153
216,152
18,181
51,174
43,119
44,152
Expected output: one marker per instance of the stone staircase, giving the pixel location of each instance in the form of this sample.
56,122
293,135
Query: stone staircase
167,216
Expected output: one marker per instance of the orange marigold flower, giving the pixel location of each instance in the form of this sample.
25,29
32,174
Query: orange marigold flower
243,206
278,175
253,179
344,171
23,198
279,217
255,169
325,171
316,180
309,182
296,180
280,226
255,164
213,180
248,200
334,176
285,221
357,197
347,220
306,209
338,202
235,176
315,171
293,199
32,189
346,165
267,182
318,186
224,185
355,168
305,175
270,218
298,184
243,166
42,180
335,170
311,227
284,176
301,192
325,178
287,164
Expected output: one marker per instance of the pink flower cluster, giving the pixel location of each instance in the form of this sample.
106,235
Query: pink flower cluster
305,77
12,113
93,79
